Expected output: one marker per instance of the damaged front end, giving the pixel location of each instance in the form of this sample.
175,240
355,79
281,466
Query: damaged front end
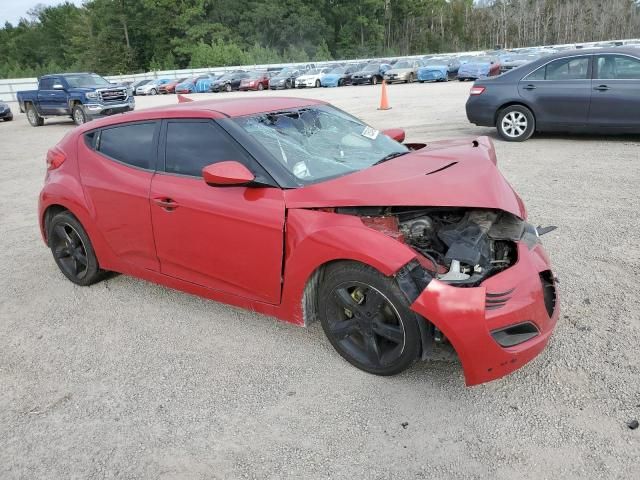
480,279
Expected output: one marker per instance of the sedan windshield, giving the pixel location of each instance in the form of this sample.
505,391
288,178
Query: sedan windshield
320,142
338,70
402,65
86,80
372,67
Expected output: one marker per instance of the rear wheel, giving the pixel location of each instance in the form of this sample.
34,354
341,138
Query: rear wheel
79,117
72,250
33,117
516,123
367,319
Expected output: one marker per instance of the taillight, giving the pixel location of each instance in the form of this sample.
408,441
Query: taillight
55,158
477,90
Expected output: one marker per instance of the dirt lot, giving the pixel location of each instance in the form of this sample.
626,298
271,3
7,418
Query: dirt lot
127,379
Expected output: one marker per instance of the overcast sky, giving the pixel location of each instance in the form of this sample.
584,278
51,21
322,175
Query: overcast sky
12,10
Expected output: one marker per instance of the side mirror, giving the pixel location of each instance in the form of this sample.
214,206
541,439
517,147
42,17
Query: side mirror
229,173
396,134
58,86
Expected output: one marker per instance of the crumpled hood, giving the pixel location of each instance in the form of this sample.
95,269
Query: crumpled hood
455,173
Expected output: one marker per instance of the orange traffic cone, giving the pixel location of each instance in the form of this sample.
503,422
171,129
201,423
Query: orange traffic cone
384,101
183,99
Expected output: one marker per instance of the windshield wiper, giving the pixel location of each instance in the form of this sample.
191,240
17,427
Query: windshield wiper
390,157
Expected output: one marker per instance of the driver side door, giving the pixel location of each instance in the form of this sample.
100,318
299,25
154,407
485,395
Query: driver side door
229,239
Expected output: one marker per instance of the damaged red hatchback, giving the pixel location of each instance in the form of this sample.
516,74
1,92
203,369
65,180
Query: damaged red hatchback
295,209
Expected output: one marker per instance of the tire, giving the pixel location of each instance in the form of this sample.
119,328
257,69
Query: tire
153,91
227,87
78,115
260,87
374,80
8,119
367,319
410,79
516,123
72,250
35,120
317,83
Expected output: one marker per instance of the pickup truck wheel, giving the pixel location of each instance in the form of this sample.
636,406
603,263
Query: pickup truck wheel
78,114
32,116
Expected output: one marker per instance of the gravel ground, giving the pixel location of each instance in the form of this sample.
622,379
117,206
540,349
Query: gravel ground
127,379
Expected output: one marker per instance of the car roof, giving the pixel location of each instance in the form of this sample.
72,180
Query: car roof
593,51
216,108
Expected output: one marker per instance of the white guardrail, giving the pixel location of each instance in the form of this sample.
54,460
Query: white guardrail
9,87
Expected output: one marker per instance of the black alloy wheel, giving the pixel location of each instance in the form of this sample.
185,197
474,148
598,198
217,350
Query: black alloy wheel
367,319
72,250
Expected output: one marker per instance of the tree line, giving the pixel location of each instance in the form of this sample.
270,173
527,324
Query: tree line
126,36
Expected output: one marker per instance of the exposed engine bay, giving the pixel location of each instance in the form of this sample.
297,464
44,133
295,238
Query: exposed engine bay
458,246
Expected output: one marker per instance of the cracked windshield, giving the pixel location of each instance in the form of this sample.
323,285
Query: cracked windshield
320,142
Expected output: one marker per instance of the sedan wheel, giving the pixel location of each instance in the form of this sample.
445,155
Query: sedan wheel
72,250
260,86
374,80
227,87
516,123
367,319
153,91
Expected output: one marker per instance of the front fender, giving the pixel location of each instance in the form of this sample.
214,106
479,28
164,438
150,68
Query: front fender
314,238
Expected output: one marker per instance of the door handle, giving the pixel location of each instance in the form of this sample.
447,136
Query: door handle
530,87
601,88
166,203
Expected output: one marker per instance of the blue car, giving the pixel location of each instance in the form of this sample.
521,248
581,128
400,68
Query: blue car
480,67
433,73
337,77
190,85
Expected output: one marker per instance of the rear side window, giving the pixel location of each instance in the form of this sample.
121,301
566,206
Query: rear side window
574,68
47,83
192,145
617,67
133,144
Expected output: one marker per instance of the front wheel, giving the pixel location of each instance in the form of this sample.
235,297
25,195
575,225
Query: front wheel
367,319
227,87
260,86
317,83
34,119
79,117
374,80
72,250
410,79
516,123
153,91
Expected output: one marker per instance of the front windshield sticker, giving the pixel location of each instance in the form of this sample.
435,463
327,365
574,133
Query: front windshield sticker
369,132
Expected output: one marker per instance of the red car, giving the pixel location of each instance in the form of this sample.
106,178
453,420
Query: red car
255,81
295,209
171,86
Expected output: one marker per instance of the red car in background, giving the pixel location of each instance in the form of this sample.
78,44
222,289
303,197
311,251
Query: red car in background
255,81
293,208
171,86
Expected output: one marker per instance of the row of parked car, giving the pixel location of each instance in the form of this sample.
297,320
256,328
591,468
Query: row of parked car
430,68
